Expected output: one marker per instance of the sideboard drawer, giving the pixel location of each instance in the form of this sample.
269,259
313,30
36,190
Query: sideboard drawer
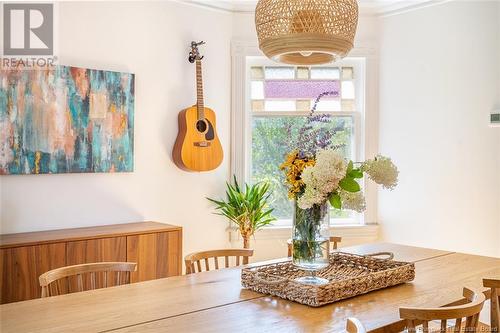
157,255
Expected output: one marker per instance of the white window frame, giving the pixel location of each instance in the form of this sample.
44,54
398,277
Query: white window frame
366,137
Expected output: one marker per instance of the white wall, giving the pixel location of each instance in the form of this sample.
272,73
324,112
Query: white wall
150,39
439,79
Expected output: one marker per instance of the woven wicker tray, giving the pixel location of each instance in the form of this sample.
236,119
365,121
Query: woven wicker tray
348,274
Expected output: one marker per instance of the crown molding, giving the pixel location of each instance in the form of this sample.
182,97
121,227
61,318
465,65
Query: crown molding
382,8
408,6
222,6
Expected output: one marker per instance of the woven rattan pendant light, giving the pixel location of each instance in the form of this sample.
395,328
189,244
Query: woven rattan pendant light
306,32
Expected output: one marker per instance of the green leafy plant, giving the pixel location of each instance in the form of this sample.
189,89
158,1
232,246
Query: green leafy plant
348,184
246,207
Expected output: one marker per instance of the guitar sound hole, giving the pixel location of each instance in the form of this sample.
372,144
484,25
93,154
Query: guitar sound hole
201,126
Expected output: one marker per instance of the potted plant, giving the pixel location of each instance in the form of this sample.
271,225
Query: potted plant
246,207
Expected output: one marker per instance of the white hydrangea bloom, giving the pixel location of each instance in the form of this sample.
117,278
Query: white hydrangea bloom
325,175
382,171
329,169
323,178
307,176
310,197
354,201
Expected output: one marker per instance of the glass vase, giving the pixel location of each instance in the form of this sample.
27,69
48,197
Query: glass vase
310,241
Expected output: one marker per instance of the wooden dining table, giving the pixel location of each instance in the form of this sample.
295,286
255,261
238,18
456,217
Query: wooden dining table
214,301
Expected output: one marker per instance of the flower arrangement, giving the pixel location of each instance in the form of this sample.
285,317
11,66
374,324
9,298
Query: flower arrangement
328,176
316,173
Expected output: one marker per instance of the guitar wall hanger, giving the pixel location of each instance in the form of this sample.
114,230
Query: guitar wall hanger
194,53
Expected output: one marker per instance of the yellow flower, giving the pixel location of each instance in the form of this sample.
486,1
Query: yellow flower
290,158
294,166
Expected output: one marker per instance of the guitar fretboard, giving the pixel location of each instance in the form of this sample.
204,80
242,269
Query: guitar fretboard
199,91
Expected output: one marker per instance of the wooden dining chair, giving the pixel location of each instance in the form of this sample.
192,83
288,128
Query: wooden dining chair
334,243
470,311
83,277
193,260
494,285
353,325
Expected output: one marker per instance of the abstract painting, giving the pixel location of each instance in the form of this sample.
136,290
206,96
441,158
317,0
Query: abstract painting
66,120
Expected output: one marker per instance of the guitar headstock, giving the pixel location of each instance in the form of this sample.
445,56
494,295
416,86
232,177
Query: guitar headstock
194,54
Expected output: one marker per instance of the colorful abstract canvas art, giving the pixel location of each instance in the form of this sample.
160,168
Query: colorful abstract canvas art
66,120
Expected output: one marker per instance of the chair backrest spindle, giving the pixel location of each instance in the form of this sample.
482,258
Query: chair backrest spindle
92,280
207,266
80,282
105,279
58,292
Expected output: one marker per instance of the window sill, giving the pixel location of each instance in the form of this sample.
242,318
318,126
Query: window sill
357,231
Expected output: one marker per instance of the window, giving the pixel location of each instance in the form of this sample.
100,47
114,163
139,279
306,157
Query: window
279,98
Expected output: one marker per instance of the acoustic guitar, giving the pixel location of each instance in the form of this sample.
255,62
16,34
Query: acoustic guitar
197,147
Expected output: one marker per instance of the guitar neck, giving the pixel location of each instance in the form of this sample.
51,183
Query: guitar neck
199,91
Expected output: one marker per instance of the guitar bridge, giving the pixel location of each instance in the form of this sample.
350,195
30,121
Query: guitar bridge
202,144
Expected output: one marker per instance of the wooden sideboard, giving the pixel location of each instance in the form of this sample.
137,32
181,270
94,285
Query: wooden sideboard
155,247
